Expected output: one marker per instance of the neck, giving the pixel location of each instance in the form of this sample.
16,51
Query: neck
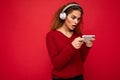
65,31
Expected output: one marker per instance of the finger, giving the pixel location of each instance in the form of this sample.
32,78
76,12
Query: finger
92,39
88,42
81,39
78,38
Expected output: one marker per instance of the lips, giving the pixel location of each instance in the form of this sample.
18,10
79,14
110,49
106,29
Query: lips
74,26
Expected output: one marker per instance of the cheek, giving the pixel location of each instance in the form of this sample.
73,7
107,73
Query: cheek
69,20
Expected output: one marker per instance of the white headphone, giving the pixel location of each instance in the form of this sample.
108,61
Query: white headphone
63,15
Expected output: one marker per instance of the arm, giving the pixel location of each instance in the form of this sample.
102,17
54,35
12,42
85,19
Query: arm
59,59
84,50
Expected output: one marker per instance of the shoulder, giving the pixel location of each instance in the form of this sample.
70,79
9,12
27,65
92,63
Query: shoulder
51,34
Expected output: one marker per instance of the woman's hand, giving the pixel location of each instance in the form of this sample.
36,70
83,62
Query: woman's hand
77,42
89,43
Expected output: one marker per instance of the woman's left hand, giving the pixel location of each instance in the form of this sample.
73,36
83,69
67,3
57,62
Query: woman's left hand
89,43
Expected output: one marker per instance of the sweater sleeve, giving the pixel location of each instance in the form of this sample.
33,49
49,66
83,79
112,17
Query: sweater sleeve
84,52
59,59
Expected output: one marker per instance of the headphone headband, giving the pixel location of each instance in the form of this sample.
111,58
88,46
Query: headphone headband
63,14
69,6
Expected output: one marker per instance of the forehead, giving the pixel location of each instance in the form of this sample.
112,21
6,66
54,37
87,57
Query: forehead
76,13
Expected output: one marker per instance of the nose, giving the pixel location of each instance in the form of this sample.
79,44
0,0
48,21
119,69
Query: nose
76,21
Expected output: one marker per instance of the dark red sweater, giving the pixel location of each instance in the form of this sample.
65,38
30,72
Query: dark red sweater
67,61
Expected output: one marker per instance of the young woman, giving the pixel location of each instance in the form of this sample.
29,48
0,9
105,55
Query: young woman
66,47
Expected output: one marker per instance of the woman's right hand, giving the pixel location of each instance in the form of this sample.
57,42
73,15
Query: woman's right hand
77,42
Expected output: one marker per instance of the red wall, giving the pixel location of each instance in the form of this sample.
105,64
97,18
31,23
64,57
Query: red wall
24,24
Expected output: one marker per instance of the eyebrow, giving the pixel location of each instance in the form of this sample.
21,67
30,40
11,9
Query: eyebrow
75,16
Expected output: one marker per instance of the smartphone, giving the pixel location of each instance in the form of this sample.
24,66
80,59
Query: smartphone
88,37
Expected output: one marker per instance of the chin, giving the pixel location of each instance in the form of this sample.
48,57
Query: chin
72,29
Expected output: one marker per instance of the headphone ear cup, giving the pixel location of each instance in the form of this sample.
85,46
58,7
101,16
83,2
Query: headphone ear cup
63,16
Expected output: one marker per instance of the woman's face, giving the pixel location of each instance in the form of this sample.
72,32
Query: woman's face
73,19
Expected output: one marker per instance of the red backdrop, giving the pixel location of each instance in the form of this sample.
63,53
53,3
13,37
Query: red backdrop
23,27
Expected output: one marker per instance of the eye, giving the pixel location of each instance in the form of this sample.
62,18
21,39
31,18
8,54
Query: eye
79,19
73,17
